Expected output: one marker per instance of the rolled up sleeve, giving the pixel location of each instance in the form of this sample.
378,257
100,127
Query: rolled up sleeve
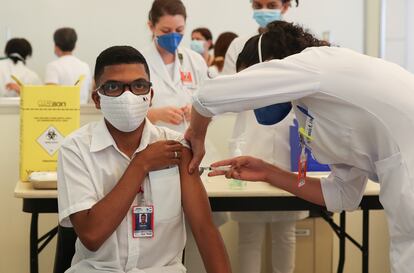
344,188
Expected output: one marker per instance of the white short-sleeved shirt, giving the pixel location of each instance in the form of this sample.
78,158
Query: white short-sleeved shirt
22,72
89,166
66,70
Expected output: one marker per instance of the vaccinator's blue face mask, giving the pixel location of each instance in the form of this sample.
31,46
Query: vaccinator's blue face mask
170,41
272,114
265,16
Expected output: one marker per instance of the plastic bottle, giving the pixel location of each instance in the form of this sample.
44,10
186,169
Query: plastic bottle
236,184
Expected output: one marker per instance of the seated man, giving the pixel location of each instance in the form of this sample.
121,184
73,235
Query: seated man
123,182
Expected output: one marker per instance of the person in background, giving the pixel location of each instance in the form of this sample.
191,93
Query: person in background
123,183
273,147
220,48
264,12
176,71
17,50
67,69
202,43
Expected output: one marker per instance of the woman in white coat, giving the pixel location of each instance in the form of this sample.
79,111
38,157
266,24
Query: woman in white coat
356,113
176,71
17,50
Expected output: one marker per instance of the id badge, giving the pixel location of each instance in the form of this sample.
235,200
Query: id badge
186,78
143,221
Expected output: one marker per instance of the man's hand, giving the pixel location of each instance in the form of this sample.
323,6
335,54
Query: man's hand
244,168
197,146
159,155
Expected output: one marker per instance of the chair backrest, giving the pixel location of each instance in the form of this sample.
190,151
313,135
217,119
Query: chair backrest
65,249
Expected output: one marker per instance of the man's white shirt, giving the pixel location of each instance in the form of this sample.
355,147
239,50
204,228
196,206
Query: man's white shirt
89,167
67,70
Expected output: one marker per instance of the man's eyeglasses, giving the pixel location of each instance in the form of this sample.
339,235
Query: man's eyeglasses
115,88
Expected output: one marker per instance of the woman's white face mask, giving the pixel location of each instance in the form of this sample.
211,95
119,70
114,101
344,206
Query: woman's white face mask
126,112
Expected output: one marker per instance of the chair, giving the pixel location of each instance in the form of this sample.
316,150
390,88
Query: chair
65,249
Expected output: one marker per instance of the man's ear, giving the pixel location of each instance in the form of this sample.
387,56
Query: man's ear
96,99
152,95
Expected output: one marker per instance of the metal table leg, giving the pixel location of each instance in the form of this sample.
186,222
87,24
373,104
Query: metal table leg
342,237
365,241
34,263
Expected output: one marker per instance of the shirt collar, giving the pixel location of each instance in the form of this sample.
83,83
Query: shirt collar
101,138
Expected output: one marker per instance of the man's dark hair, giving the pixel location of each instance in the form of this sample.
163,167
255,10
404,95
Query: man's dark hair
280,40
118,55
65,39
166,7
20,46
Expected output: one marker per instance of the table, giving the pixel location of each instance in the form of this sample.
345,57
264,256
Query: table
257,196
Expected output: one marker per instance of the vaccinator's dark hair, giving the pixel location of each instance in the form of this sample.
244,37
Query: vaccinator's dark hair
280,40
118,55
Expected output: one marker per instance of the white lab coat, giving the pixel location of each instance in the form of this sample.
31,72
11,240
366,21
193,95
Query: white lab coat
273,146
172,92
24,74
363,111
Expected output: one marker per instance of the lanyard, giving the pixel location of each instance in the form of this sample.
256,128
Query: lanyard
305,137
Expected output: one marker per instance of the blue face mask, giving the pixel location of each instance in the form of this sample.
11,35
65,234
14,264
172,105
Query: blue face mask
197,46
272,114
265,16
170,41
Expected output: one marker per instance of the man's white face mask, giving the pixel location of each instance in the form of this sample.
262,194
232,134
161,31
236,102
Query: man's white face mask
125,112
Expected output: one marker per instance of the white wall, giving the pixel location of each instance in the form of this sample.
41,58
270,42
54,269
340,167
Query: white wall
343,20
101,23
398,40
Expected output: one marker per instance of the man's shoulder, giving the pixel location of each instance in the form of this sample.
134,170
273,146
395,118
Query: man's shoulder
80,137
53,64
164,133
